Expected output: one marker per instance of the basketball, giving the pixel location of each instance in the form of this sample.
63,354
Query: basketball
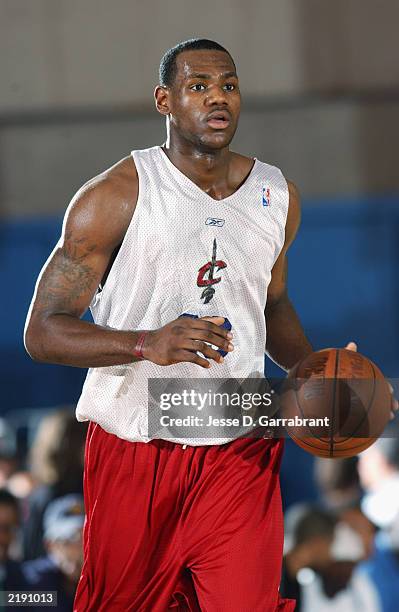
341,400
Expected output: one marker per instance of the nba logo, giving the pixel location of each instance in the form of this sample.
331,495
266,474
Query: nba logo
266,196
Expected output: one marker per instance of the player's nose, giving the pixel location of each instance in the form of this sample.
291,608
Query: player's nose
216,96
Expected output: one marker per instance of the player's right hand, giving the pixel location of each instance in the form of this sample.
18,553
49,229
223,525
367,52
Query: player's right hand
182,339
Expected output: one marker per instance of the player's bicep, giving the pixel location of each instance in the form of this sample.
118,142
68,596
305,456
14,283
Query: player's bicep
93,227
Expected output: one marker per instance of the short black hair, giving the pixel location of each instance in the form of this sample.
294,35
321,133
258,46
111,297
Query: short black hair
8,499
167,67
303,522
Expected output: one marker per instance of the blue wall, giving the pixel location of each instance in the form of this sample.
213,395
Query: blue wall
343,281
343,277
24,247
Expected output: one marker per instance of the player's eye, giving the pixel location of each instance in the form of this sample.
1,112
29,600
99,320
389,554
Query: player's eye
197,87
229,87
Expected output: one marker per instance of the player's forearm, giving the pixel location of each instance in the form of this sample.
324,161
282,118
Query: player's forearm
286,342
66,340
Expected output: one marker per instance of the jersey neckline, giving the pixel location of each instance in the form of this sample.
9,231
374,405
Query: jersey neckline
195,187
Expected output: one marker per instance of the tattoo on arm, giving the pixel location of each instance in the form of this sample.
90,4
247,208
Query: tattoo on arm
67,277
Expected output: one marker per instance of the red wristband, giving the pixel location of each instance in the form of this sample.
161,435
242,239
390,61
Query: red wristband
138,349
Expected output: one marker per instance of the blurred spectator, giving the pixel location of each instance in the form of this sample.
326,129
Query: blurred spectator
57,458
60,569
354,535
379,474
312,574
309,534
8,452
338,482
341,492
21,484
11,576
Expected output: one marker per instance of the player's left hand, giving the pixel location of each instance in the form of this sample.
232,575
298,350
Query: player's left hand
352,346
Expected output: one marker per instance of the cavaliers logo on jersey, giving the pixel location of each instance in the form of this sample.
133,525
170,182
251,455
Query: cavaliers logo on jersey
205,276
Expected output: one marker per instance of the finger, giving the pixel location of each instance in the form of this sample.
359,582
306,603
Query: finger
207,336
215,320
213,323
215,329
192,358
205,349
351,346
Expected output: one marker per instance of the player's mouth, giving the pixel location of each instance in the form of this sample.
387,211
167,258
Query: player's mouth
218,120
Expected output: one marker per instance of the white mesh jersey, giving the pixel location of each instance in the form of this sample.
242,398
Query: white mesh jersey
160,272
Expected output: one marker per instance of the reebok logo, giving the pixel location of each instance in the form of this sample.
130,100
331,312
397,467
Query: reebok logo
214,222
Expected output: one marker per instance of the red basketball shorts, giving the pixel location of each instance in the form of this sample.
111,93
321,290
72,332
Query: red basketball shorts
173,528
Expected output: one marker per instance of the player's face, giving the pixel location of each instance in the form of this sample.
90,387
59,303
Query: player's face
68,555
204,100
8,526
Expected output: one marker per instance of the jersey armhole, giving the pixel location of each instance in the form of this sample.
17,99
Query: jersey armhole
97,299
286,192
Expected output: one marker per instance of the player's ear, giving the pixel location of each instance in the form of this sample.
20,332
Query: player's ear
161,95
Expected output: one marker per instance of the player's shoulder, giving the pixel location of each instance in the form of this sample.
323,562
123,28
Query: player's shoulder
293,191
294,212
266,165
265,170
113,192
242,162
105,203
119,182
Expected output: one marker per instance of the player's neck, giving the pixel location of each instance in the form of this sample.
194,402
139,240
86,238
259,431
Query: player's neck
206,167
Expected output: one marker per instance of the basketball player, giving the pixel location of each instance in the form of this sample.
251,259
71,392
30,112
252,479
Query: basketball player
187,228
